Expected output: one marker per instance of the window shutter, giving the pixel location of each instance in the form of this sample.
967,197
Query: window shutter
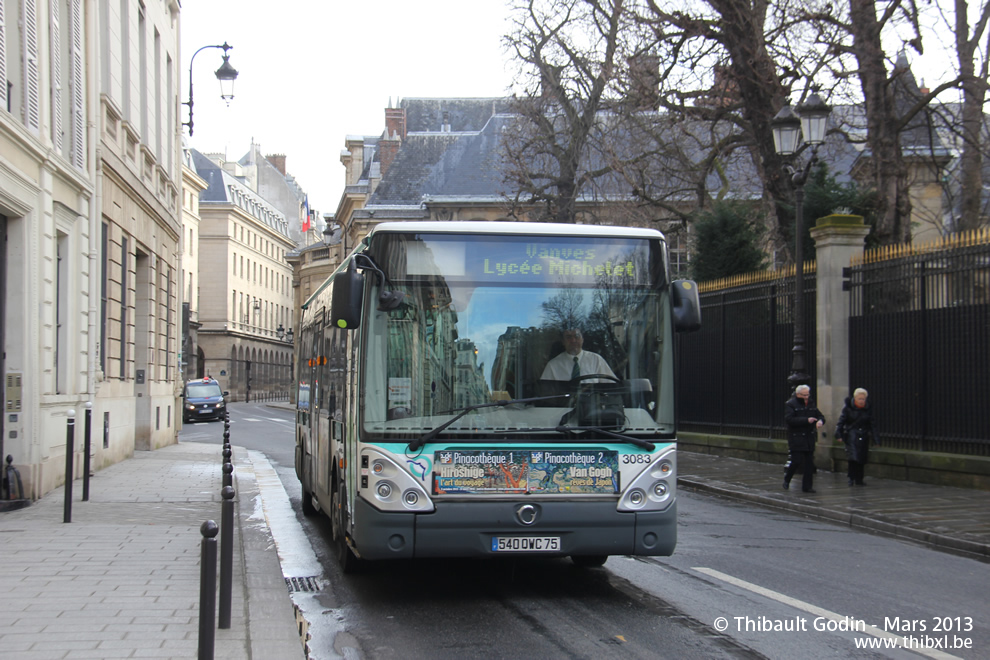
78,132
32,114
3,58
56,66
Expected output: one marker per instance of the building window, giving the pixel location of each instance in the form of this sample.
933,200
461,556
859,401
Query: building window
123,309
61,312
104,273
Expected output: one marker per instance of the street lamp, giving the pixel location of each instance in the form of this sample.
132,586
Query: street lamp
810,120
283,335
226,74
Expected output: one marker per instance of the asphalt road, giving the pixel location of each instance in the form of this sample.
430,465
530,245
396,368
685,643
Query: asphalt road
744,582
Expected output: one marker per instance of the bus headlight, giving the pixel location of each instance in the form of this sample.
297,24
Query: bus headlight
654,488
389,486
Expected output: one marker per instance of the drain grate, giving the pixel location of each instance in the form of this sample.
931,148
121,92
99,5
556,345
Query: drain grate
298,584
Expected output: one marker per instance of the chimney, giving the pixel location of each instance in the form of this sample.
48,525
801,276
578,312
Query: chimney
278,161
549,79
644,75
395,123
388,149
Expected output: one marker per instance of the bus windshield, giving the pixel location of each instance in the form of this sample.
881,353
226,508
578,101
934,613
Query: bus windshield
541,327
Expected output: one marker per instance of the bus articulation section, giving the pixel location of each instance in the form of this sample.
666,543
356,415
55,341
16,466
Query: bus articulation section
429,423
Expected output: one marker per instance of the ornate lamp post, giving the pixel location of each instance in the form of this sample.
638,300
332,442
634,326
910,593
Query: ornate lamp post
810,120
282,335
226,74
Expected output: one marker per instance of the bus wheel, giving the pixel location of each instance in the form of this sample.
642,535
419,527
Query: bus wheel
307,504
345,556
589,561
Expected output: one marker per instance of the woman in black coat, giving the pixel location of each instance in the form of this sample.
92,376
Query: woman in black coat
855,429
803,420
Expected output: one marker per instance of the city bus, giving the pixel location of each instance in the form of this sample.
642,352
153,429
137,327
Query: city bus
428,423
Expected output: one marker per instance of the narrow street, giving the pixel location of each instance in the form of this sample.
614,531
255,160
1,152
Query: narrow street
773,584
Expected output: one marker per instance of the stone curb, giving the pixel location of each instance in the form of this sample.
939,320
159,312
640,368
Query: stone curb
274,627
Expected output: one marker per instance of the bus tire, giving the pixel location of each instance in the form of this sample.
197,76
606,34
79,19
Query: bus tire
589,561
346,558
307,503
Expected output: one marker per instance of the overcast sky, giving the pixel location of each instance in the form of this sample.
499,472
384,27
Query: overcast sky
312,72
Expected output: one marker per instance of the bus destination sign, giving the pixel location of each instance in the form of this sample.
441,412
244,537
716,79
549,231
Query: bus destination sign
573,261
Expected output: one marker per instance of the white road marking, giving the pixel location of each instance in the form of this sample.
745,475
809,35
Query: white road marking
861,626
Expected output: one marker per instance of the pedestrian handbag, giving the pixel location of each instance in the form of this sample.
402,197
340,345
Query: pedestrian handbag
599,405
857,444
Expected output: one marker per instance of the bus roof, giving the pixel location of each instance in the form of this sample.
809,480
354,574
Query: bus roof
530,228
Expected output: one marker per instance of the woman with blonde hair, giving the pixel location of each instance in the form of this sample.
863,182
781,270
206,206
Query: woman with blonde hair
855,430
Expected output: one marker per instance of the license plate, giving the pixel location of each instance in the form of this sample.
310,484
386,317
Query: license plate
525,544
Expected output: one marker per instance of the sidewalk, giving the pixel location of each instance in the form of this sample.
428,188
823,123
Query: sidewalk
944,518
122,579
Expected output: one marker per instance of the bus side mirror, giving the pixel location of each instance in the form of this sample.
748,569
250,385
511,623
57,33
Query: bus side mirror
348,290
687,305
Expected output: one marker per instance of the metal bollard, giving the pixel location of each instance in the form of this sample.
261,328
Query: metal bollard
226,555
70,436
86,448
12,482
207,589
228,478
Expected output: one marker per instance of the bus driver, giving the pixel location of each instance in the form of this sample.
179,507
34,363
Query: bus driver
575,361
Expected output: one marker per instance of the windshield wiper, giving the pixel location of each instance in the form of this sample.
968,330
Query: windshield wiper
639,442
430,435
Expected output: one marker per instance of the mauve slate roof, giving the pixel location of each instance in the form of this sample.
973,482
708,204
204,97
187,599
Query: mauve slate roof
218,192
464,161
424,115
213,175
444,164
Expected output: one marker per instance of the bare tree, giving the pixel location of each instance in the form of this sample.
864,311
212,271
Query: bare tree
568,52
740,88
974,86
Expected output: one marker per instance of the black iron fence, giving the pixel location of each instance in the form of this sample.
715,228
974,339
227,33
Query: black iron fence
732,373
919,335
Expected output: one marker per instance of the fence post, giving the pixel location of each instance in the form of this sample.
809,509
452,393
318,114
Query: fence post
226,555
837,239
70,433
207,589
86,449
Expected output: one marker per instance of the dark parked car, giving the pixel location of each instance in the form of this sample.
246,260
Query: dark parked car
203,399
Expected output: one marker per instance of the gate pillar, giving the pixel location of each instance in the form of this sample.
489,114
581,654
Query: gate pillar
837,239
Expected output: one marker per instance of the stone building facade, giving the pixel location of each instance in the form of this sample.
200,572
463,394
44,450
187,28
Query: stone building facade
245,285
192,186
89,199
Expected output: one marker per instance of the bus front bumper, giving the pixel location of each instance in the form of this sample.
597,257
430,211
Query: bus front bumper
467,529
